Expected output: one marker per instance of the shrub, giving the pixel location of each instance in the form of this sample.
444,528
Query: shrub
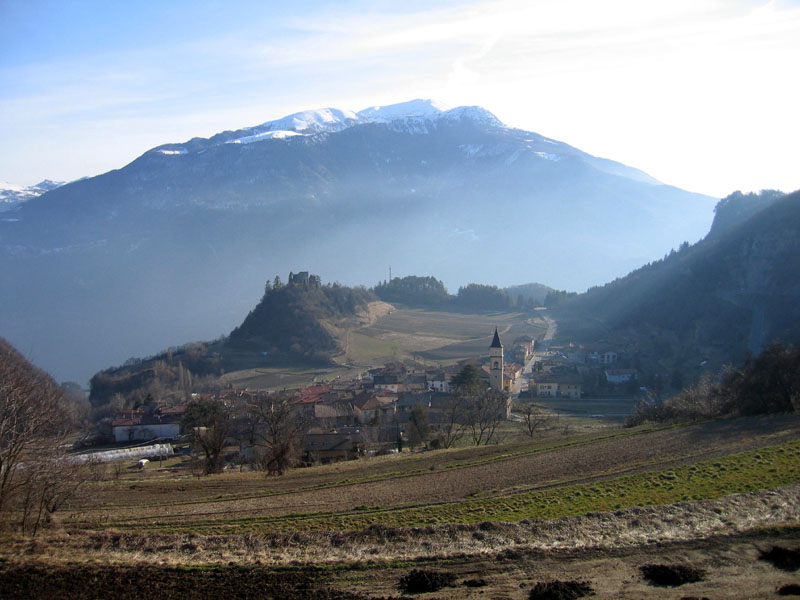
782,558
419,581
671,575
560,590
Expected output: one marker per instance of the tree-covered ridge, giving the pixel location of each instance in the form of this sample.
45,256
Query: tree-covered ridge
535,293
738,207
430,292
288,319
413,290
483,297
717,300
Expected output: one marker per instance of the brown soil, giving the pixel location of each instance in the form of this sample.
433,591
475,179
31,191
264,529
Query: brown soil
79,582
731,563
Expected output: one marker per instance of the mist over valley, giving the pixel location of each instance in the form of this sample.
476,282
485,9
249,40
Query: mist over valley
176,246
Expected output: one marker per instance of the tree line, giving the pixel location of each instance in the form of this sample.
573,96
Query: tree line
429,292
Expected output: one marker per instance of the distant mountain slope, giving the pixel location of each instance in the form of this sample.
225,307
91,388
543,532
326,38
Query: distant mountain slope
11,194
715,301
170,247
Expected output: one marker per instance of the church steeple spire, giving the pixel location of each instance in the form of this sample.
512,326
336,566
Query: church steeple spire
496,341
496,363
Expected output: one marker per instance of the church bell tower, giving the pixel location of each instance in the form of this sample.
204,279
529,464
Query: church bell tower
496,363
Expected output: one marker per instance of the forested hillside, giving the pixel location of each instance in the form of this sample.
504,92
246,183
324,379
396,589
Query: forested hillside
709,303
291,318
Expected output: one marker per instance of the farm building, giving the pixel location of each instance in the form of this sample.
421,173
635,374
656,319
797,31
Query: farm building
332,446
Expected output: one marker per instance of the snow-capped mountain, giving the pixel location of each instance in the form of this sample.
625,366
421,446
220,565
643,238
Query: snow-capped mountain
312,128
12,194
176,245
412,115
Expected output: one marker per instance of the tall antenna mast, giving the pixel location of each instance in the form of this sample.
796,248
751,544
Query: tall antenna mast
390,273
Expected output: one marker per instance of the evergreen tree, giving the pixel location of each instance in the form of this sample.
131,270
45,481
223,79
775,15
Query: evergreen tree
418,427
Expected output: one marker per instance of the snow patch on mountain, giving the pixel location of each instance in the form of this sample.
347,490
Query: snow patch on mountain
6,187
312,121
472,113
414,109
548,156
265,135
12,194
171,152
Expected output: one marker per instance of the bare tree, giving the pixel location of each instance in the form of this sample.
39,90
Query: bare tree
418,426
209,422
484,413
185,382
36,474
276,432
452,426
533,418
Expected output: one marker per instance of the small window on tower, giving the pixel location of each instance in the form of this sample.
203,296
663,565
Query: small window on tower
496,365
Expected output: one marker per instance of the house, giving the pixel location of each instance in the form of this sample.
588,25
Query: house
440,382
417,381
376,407
331,446
406,403
142,427
558,385
511,372
337,414
522,348
608,357
391,383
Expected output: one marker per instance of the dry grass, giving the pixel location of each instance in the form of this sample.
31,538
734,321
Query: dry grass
624,528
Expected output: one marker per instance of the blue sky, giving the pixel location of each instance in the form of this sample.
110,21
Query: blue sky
701,94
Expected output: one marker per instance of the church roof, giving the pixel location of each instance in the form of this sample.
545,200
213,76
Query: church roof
496,341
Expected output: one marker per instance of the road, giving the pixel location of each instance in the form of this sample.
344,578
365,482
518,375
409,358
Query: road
540,350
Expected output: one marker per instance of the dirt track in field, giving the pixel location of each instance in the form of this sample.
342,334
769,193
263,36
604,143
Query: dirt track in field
578,463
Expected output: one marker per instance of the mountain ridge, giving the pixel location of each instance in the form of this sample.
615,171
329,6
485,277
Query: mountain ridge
172,246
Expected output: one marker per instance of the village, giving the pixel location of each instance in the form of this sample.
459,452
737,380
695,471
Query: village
375,412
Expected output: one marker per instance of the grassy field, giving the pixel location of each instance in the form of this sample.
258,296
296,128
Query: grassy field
275,378
438,337
610,409
404,334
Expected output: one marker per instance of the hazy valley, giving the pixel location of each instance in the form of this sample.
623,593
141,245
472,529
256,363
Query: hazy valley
175,246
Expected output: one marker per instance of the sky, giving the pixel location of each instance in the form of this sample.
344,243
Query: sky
701,94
